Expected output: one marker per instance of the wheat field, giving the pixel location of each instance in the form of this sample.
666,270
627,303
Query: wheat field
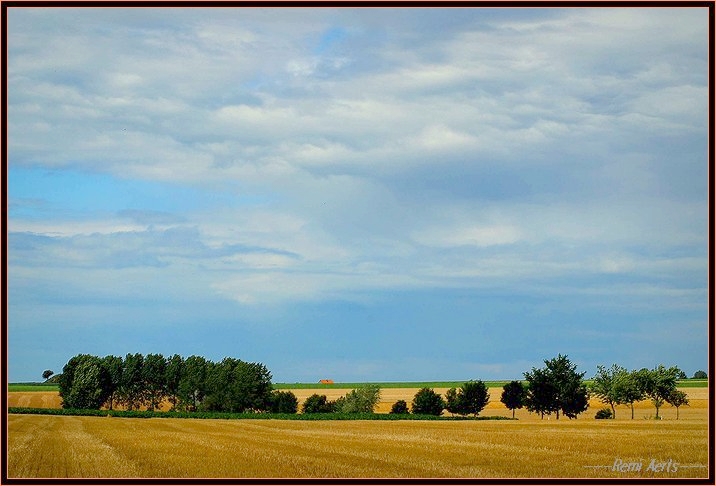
102,447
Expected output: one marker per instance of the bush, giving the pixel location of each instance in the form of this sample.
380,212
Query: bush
399,407
360,400
283,402
427,402
317,404
605,413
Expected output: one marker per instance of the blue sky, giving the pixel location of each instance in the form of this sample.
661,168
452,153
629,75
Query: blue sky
359,194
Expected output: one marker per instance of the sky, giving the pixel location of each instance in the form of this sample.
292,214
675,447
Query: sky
362,195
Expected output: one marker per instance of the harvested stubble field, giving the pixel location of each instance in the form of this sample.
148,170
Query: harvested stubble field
93,447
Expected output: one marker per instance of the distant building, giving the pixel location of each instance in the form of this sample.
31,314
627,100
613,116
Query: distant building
326,382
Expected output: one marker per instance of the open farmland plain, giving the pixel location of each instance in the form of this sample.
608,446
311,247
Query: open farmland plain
93,447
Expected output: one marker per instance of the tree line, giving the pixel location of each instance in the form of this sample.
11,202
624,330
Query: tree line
232,385
191,384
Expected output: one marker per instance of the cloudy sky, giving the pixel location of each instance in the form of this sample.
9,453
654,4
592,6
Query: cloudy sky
359,194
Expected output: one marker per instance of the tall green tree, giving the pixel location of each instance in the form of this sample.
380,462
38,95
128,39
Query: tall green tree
154,380
114,366
173,374
89,386
513,396
193,382
541,396
557,387
427,402
603,385
132,392
236,386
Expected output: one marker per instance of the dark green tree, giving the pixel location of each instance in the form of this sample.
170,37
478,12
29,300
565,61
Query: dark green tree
154,379
557,387
317,404
453,402
132,392
173,374
427,402
192,383
236,386
283,402
541,396
474,397
513,396
399,407
700,375
90,384
114,366
47,374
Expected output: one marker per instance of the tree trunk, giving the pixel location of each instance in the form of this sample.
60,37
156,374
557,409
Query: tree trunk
513,412
632,410
614,412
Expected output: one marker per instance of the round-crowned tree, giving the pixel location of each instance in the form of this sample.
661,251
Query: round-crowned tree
427,402
513,396
317,404
283,402
399,407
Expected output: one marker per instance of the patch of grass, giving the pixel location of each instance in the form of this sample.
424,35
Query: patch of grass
234,416
32,387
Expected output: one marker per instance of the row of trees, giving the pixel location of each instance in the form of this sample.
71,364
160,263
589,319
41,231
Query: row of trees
232,385
617,386
192,384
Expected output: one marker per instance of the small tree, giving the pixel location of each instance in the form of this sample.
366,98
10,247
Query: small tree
360,400
658,384
47,374
474,397
627,389
283,402
541,396
453,402
427,402
399,407
678,398
700,375
603,385
513,396
317,404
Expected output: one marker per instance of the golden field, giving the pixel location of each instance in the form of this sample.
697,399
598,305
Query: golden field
94,447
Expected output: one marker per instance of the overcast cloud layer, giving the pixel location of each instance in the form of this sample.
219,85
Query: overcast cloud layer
369,194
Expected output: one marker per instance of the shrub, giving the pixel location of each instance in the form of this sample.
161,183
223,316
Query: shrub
360,400
317,404
399,407
427,402
283,402
605,413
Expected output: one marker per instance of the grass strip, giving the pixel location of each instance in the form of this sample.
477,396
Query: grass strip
242,416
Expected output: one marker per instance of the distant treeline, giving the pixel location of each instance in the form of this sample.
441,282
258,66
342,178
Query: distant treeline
189,384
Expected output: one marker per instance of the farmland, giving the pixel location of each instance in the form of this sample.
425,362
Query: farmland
48,446
66,446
